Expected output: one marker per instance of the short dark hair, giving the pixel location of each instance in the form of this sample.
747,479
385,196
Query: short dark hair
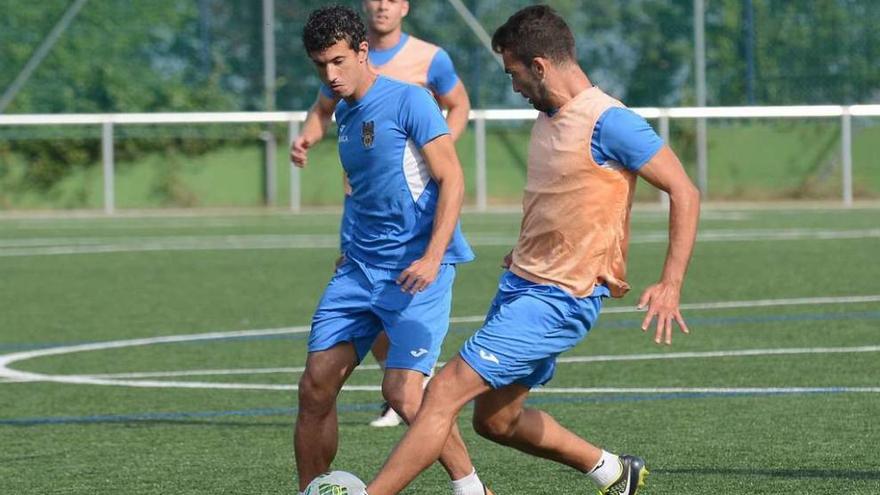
328,25
536,31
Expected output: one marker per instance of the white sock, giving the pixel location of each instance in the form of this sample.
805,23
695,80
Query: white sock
469,485
606,471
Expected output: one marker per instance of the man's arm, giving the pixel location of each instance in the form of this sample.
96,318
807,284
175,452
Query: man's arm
664,171
313,129
458,106
443,165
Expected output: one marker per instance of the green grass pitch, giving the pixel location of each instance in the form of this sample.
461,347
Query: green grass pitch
779,395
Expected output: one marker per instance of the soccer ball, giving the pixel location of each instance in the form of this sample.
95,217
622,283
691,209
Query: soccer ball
336,483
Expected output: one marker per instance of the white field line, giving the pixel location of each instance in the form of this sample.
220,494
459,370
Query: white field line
123,224
719,354
13,380
226,372
709,210
49,246
188,240
759,303
187,220
705,390
10,374
564,359
7,359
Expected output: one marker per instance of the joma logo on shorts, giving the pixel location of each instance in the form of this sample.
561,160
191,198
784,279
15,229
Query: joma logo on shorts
489,356
419,353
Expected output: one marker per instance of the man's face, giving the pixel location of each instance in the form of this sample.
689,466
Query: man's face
526,82
385,16
341,67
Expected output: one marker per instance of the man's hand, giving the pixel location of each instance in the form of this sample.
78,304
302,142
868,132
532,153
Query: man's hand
662,301
444,168
419,275
313,129
299,151
665,172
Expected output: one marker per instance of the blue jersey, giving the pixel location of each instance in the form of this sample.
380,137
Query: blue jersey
623,136
394,198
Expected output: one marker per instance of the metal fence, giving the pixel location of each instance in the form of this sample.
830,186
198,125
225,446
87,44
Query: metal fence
663,116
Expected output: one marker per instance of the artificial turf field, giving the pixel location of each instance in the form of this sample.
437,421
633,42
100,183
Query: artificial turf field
776,390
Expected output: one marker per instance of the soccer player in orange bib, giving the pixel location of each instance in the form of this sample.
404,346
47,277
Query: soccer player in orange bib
398,55
585,154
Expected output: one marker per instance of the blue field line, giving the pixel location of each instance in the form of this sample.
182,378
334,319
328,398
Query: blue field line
634,323
144,417
343,408
734,320
616,324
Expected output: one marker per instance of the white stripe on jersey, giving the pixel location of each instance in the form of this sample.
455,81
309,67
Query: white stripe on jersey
415,169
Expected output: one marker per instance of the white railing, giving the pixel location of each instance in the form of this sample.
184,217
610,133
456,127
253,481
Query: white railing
294,119
107,121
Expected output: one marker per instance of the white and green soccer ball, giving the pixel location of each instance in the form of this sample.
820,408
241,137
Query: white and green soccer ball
336,483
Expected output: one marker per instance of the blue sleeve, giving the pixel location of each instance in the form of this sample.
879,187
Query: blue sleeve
420,116
441,74
346,226
625,137
326,91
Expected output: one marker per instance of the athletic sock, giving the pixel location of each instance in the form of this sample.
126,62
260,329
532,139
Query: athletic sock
606,471
469,485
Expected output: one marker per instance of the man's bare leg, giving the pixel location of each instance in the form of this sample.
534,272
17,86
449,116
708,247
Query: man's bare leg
403,389
388,417
452,388
499,415
316,435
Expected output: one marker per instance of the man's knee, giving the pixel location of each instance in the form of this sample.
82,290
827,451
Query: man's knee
405,398
498,428
323,377
315,397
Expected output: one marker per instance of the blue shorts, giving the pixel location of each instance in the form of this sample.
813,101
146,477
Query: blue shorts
528,325
361,300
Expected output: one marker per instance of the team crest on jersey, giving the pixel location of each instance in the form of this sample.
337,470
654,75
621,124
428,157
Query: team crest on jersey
368,133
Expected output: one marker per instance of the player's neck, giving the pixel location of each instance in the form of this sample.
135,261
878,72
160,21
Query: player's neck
385,41
568,85
367,81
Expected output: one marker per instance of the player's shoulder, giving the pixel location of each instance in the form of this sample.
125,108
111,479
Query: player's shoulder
422,44
404,90
622,118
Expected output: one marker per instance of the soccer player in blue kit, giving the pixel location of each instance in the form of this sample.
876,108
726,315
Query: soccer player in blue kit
400,56
407,189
